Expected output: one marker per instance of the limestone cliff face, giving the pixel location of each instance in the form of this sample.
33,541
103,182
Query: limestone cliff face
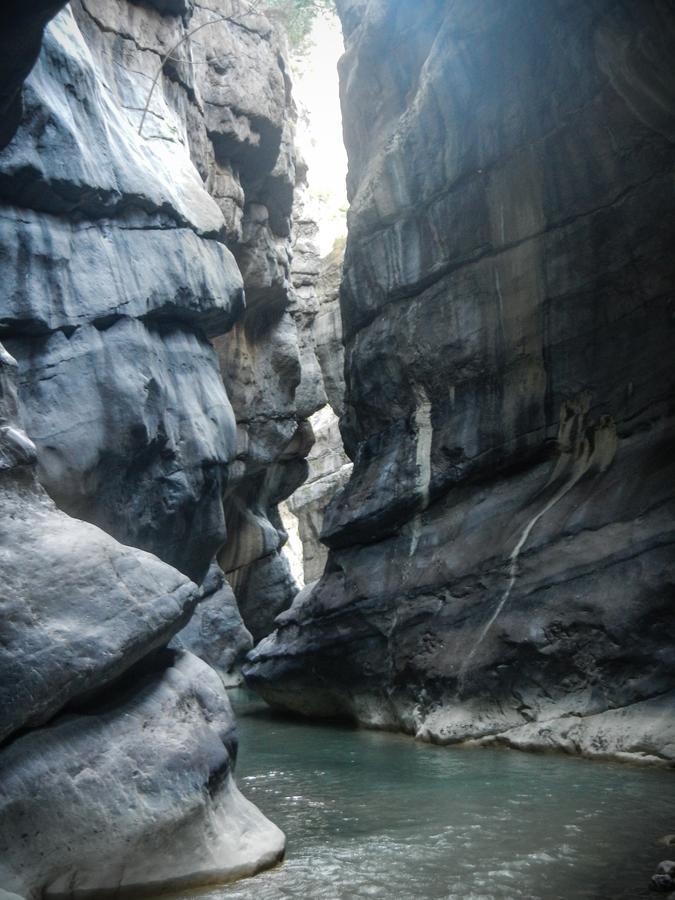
502,558
158,411
328,466
273,377
131,783
123,253
115,272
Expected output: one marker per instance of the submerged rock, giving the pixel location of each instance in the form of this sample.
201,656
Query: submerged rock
502,557
664,879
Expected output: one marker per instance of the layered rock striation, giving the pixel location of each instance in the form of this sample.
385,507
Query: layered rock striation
115,273
134,214
137,208
501,562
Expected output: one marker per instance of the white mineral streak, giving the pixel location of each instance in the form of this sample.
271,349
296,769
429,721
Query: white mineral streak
581,449
424,435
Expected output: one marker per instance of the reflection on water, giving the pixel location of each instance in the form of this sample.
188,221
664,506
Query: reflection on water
369,814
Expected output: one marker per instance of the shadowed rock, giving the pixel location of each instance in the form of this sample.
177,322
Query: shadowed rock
502,558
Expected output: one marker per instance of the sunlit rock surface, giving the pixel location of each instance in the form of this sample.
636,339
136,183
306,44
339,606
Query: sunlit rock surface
129,782
329,471
137,793
130,224
502,558
328,327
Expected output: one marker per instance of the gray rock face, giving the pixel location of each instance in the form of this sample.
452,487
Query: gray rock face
22,27
328,328
148,430
126,240
116,249
502,557
329,472
216,632
273,377
114,271
131,783
329,466
125,602
138,794
118,237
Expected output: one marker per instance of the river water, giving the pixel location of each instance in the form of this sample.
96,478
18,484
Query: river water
370,814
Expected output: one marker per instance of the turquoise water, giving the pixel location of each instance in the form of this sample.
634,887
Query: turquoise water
370,814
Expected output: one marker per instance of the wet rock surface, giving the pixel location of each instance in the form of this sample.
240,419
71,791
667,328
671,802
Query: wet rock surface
663,880
501,560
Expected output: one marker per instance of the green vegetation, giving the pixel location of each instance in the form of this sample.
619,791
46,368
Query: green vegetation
297,16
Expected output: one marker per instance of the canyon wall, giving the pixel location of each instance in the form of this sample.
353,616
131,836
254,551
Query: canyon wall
329,467
273,377
148,425
116,755
501,561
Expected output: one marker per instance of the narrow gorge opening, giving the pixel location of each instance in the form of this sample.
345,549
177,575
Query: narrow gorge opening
317,268
304,531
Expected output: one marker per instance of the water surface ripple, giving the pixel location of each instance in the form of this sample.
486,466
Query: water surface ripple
370,814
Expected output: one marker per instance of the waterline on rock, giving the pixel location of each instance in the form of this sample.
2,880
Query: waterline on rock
375,814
